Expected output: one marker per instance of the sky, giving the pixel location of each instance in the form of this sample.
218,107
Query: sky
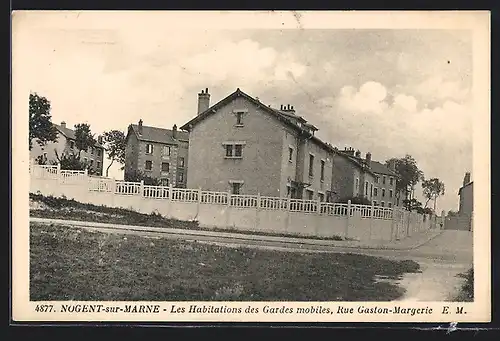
390,92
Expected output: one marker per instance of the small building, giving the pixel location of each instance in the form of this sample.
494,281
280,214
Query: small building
242,146
66,145
157,153
465,193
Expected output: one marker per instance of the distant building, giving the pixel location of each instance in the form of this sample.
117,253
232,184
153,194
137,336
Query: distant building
352,176
66,145
466,203
158,153
242,146
384,191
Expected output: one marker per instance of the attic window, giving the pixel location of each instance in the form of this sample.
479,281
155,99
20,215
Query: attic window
239,116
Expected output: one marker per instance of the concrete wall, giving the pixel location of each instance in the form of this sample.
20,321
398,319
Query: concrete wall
460,222
325,220
260,165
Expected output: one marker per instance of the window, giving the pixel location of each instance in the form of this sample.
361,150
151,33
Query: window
234,150
366,188
181,177
322,170
149,148
166,150
371,190
288,191
165,167
239,118
397,201
72,144
85,160
375,191
229,150
149,165
311,165
391,181
290,154
237,150
377,178
383,192
91,163
310,194
382,204
165,182
389,204
236,187
390,193
321,197
181,162
357,184
91,150
98,152
383,180
98,164
375,203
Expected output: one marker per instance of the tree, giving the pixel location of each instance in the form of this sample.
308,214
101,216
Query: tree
412,204
40,121
432,188
83,137
114,144
408,176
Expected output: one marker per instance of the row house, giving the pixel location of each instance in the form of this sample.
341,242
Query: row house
243,146
157,153
66,145
354,176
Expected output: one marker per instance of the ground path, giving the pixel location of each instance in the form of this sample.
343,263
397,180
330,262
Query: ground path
442,254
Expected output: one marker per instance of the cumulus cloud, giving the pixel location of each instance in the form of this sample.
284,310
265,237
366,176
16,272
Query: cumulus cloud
440,138
437,88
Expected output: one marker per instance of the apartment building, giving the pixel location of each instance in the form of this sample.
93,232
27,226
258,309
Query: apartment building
157,153
385,193
66,145
243,146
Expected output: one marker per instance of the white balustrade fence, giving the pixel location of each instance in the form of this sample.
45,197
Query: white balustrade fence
400,222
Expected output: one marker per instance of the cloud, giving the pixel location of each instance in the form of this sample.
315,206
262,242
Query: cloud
436,88
440,138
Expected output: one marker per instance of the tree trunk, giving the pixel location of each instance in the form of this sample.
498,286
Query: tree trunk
435,199
107,169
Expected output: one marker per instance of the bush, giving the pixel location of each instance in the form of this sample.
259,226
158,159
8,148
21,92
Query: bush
138,176
357,200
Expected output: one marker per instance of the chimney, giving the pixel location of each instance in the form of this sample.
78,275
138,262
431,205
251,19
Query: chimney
288,108
392,165
368,159
63,124
466,178
174,131
140,126
203,101
358,154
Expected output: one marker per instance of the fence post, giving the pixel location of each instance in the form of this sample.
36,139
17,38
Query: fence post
199,202
393,222
228,208
371,220
142,188
59,174
287,221
257,209
348,219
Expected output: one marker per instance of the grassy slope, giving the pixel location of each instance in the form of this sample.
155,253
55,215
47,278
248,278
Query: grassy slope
467,291
61,208
74,264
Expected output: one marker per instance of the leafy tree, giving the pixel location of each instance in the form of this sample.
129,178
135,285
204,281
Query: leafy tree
137,176
432,188
83,137
114,143
408,176
40,121
73,162
412,204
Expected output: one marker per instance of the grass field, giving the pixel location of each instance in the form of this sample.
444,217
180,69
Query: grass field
62,208
74,264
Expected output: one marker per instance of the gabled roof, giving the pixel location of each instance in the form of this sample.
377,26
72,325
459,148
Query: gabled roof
285,118
356,161
70,134
158,135
380,168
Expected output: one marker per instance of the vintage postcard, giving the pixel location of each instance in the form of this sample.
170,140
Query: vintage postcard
251,166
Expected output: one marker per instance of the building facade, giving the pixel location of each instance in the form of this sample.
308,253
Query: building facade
466,201
66,145
242,146
157,153
385,193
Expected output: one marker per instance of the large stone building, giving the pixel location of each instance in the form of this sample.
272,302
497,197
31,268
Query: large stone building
466,203
66,145
243,146
157,153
